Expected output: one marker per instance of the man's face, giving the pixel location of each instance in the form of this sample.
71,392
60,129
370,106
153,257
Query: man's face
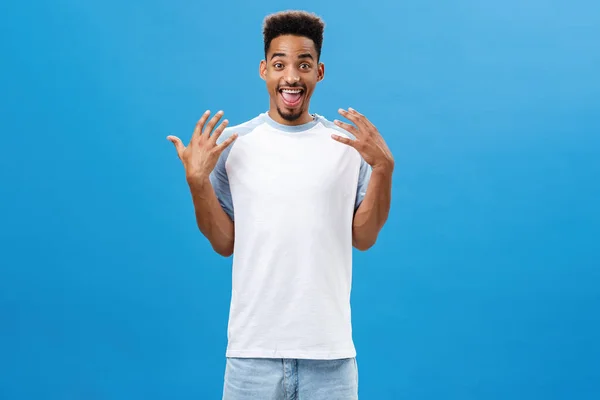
291,71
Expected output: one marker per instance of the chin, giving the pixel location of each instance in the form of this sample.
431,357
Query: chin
290,116
291,109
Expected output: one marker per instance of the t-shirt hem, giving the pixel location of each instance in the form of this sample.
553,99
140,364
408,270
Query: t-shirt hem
291,354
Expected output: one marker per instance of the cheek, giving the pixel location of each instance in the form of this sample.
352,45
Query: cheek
272,82
310,87
271,85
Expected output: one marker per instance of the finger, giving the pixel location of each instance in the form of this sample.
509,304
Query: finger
211,124
347,127
218,131
200,124
354,117
226,143
344,140
179,147
361,118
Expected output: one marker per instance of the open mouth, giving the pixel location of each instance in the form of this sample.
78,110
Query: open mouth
291,97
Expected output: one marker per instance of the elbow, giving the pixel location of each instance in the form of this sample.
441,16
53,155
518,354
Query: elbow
225,254
364,244
363,247
363,240
223,250
364,235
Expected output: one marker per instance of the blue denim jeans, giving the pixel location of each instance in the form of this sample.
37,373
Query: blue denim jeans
290,379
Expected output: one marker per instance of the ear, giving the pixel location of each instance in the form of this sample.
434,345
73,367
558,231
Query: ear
262,70
321,72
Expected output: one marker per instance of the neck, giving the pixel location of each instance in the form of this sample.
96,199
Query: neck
303,119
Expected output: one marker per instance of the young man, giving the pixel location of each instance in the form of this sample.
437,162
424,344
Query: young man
289,193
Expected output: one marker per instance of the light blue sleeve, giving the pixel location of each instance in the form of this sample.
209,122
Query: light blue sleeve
219,179
364,176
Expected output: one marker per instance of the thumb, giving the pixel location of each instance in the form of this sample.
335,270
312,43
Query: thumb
177,143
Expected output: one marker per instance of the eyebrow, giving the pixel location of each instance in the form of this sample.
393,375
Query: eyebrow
303,55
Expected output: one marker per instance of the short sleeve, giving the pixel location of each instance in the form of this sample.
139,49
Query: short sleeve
364,176
220,182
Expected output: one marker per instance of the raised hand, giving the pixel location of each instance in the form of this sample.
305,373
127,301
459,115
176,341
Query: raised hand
369,142
201,154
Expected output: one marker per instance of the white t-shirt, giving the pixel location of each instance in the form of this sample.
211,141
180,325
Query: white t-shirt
292,192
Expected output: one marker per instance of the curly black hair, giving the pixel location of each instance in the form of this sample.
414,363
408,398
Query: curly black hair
292,22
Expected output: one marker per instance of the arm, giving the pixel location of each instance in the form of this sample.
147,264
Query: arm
204,162
212,220
374,207
372,213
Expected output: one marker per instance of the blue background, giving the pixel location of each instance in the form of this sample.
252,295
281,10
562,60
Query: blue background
485,283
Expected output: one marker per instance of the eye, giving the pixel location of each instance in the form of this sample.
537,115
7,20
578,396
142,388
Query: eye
278,65
305,66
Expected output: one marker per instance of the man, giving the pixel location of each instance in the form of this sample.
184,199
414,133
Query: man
289,193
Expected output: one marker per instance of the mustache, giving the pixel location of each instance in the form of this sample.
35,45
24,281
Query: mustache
293,86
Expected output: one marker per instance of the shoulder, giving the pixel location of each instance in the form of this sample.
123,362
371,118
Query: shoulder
329,125
332,128
241,129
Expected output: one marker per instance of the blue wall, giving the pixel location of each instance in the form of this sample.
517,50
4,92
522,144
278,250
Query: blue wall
485,283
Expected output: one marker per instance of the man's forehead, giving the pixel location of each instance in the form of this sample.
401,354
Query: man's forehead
292,45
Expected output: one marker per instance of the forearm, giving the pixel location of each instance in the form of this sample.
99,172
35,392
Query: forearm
374,209
212,220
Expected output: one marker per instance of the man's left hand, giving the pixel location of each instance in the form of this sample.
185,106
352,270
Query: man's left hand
369,142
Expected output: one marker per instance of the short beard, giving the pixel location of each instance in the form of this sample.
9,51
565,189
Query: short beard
289,117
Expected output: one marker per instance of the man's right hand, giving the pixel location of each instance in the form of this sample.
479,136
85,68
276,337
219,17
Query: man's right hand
202,153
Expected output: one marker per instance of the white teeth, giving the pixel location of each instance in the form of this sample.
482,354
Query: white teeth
291,91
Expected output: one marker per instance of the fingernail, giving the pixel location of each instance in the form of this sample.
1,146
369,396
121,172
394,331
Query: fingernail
350,109
207,112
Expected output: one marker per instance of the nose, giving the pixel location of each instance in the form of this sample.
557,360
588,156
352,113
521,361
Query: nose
292,76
